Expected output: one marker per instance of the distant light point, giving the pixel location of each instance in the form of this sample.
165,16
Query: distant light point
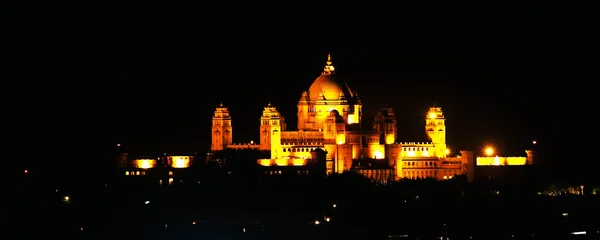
25,171
118,144
534,142
489,151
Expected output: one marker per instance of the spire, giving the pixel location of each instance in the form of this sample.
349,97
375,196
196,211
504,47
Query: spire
329,69
221,105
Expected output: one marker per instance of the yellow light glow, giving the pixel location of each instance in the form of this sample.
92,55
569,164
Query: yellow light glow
299,162
378,154
144,163
431,115
265,162
489,151
447,151
500,161
411,153
180,161
281,162
350,118
171,180
425,153
340,138
389,139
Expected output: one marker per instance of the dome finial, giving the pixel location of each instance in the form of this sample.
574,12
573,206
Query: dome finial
329,68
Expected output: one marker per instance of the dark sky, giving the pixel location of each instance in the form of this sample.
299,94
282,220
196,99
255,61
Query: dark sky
149,76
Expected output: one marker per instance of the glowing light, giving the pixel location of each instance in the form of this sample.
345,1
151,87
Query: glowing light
281,162
425,153
351,119
265,162
411,153
334,205
328,219
489,151
431,115
317,222
497,161
534,142
447,151
378,154
180,161
144,163
298,162
389,139
118,144
26,171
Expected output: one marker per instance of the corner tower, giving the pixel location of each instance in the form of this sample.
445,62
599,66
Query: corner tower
385,123
271,125
221,129
435,126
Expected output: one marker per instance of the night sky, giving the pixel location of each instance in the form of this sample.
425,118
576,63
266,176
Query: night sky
150,76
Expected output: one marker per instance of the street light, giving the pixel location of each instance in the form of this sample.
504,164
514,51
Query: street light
489,151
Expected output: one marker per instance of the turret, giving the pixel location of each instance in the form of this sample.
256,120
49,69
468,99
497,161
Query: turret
385,123
271,125
335,128
221,129
435,127
303,110
529,157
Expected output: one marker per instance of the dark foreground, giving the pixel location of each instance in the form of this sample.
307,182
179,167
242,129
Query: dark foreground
289,208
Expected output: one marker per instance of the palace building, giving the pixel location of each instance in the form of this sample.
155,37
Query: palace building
330,118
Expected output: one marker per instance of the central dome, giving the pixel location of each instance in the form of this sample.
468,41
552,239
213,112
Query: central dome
329,86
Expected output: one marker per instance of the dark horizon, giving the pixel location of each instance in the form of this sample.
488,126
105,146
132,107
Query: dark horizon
149,78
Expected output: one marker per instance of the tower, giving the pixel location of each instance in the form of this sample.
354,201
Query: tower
385,123
271,125
221,129
435,126
529,158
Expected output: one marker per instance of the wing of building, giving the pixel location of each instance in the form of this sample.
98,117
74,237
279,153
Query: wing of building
330,119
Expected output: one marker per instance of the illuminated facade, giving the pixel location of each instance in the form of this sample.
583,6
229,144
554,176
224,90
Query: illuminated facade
330,118
148,166
506,161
